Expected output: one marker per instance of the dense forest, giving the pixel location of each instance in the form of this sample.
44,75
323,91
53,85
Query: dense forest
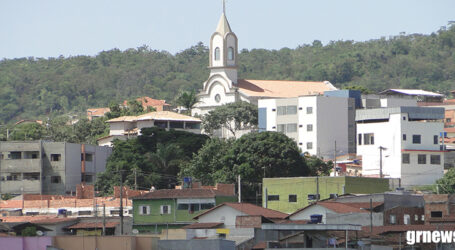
41,88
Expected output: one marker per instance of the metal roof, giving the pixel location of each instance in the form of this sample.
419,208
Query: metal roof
424,113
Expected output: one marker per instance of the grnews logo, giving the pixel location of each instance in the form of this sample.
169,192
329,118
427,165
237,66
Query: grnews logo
413,237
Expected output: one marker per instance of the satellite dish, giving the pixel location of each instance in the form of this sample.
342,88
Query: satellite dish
39,233
135,231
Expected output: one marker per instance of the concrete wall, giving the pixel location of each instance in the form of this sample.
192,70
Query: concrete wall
25,243
106,242
215,244
224,214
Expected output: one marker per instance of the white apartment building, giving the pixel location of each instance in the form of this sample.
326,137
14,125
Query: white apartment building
409,138
314,122
125,127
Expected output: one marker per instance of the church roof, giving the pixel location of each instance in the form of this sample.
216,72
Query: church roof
223,25
284,89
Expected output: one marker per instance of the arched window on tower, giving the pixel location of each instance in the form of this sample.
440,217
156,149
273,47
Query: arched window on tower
230,53
217,54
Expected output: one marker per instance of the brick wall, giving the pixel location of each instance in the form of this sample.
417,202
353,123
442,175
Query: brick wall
399,213
85,191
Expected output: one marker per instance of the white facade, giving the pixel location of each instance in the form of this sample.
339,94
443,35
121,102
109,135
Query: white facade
223,214
314,122
411,138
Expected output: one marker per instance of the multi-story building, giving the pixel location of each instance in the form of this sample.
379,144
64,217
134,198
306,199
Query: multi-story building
401,142
292,193
175,208
319,124
48,167
125,127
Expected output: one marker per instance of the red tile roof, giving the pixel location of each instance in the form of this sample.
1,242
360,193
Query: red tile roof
180,193
63,202
343,208
203,225
272,88
249,209
39,219
82,225
149,102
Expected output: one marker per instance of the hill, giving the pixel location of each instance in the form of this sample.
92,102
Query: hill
39,88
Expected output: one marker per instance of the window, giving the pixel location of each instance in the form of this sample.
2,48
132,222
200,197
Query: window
15,155
368,139
435,159
176,125
144,210
291,128
160,124
86,212
88,157
230,53
183,207
405,158
287,110
436,214
416,217
217,54
207,205
404,137
273,197
291,110
217,98
422,159
165,209
309,127
31,176
448,120
423,217
435,139
292,198
56,157
309,145
416,139
360,139
56,179
281,128
404,118
309,110
406,219
392,219
194,208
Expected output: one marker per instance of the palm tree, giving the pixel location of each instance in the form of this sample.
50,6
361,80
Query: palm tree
187,100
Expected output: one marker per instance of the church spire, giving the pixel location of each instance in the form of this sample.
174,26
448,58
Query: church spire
224,7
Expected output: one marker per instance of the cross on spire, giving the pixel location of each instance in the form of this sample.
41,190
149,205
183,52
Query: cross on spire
224,7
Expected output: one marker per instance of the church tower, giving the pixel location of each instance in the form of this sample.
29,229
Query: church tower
224,51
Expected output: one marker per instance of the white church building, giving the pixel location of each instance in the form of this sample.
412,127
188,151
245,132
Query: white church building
223,85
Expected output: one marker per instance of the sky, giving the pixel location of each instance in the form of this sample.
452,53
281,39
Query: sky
50,28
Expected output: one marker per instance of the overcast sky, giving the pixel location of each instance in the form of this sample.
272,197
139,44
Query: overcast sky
50,28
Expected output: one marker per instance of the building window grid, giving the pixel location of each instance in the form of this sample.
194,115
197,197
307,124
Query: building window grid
309,127
416,139
405,158
422,159
435,159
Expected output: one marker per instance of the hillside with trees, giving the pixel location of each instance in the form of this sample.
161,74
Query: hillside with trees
41,88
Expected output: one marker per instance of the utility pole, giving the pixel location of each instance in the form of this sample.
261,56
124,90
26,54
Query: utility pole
371,216
335,160
380,161
121,202
104,219
135,179
240,191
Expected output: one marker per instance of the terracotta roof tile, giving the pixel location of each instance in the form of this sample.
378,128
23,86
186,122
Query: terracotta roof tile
249,209
203,225
148,102
39,219
272,88
97,111
343,208
82,225
178,193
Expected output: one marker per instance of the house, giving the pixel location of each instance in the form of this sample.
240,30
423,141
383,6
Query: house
125,127
175,208
292,193
147,102
439,209
401,142
418,94
223,85
49,167
318,124
54,225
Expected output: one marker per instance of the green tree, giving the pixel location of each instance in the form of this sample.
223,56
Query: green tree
27,132
447,182
28,231
318,167
232,116
187,99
